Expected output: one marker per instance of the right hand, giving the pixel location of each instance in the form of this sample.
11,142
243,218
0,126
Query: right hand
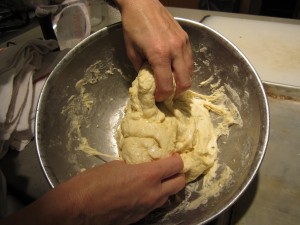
118,193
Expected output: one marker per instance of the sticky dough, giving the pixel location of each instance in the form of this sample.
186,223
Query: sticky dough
151,131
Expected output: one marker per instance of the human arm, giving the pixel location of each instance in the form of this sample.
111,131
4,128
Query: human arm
151,34
113,193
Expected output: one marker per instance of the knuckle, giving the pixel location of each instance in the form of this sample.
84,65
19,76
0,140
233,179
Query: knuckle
184,85
159,50
186,37
150,199
178,42
148,175
162,201
190,64
182,39
130,53
182,181
162,95
189,68
166,90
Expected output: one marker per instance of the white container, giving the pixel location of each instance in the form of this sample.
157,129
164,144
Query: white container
96,12
70,21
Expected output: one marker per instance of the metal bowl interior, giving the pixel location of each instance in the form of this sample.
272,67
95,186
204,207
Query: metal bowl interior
242,151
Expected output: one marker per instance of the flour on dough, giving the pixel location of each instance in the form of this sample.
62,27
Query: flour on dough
150,130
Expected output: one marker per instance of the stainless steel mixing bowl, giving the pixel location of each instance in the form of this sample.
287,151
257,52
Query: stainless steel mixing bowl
215,56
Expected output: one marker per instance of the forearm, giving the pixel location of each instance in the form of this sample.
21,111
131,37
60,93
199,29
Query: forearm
56,207
114,193
121,3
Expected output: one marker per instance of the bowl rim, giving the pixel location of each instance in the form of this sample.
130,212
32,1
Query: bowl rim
258,158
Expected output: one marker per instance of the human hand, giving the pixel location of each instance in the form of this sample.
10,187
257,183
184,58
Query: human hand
118,193
152,34
114,193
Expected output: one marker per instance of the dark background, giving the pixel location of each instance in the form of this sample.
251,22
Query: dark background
274,8
16,14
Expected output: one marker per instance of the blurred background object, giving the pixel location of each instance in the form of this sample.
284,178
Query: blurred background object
96,11
19,15
274,8
68,22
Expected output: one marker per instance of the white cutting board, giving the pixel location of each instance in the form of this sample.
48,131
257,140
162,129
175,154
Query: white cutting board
272,48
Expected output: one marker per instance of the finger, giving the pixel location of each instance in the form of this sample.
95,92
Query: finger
161,201
189,55
169,167
134,56
163,80
173,185
182,76
182,71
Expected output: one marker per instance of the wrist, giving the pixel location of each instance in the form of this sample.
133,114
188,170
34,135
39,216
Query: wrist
123,3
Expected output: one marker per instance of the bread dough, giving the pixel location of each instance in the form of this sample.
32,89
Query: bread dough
151,131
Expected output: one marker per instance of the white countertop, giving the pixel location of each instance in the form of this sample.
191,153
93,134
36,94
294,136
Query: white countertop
272,45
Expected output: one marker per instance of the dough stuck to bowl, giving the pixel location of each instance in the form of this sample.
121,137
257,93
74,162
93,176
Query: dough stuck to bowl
150,130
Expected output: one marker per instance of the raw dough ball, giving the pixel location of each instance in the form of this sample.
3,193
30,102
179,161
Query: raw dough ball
149,131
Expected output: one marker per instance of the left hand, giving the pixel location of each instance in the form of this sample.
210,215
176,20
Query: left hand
151,33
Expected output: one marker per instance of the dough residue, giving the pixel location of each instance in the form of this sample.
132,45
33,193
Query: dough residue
78,109
189,125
